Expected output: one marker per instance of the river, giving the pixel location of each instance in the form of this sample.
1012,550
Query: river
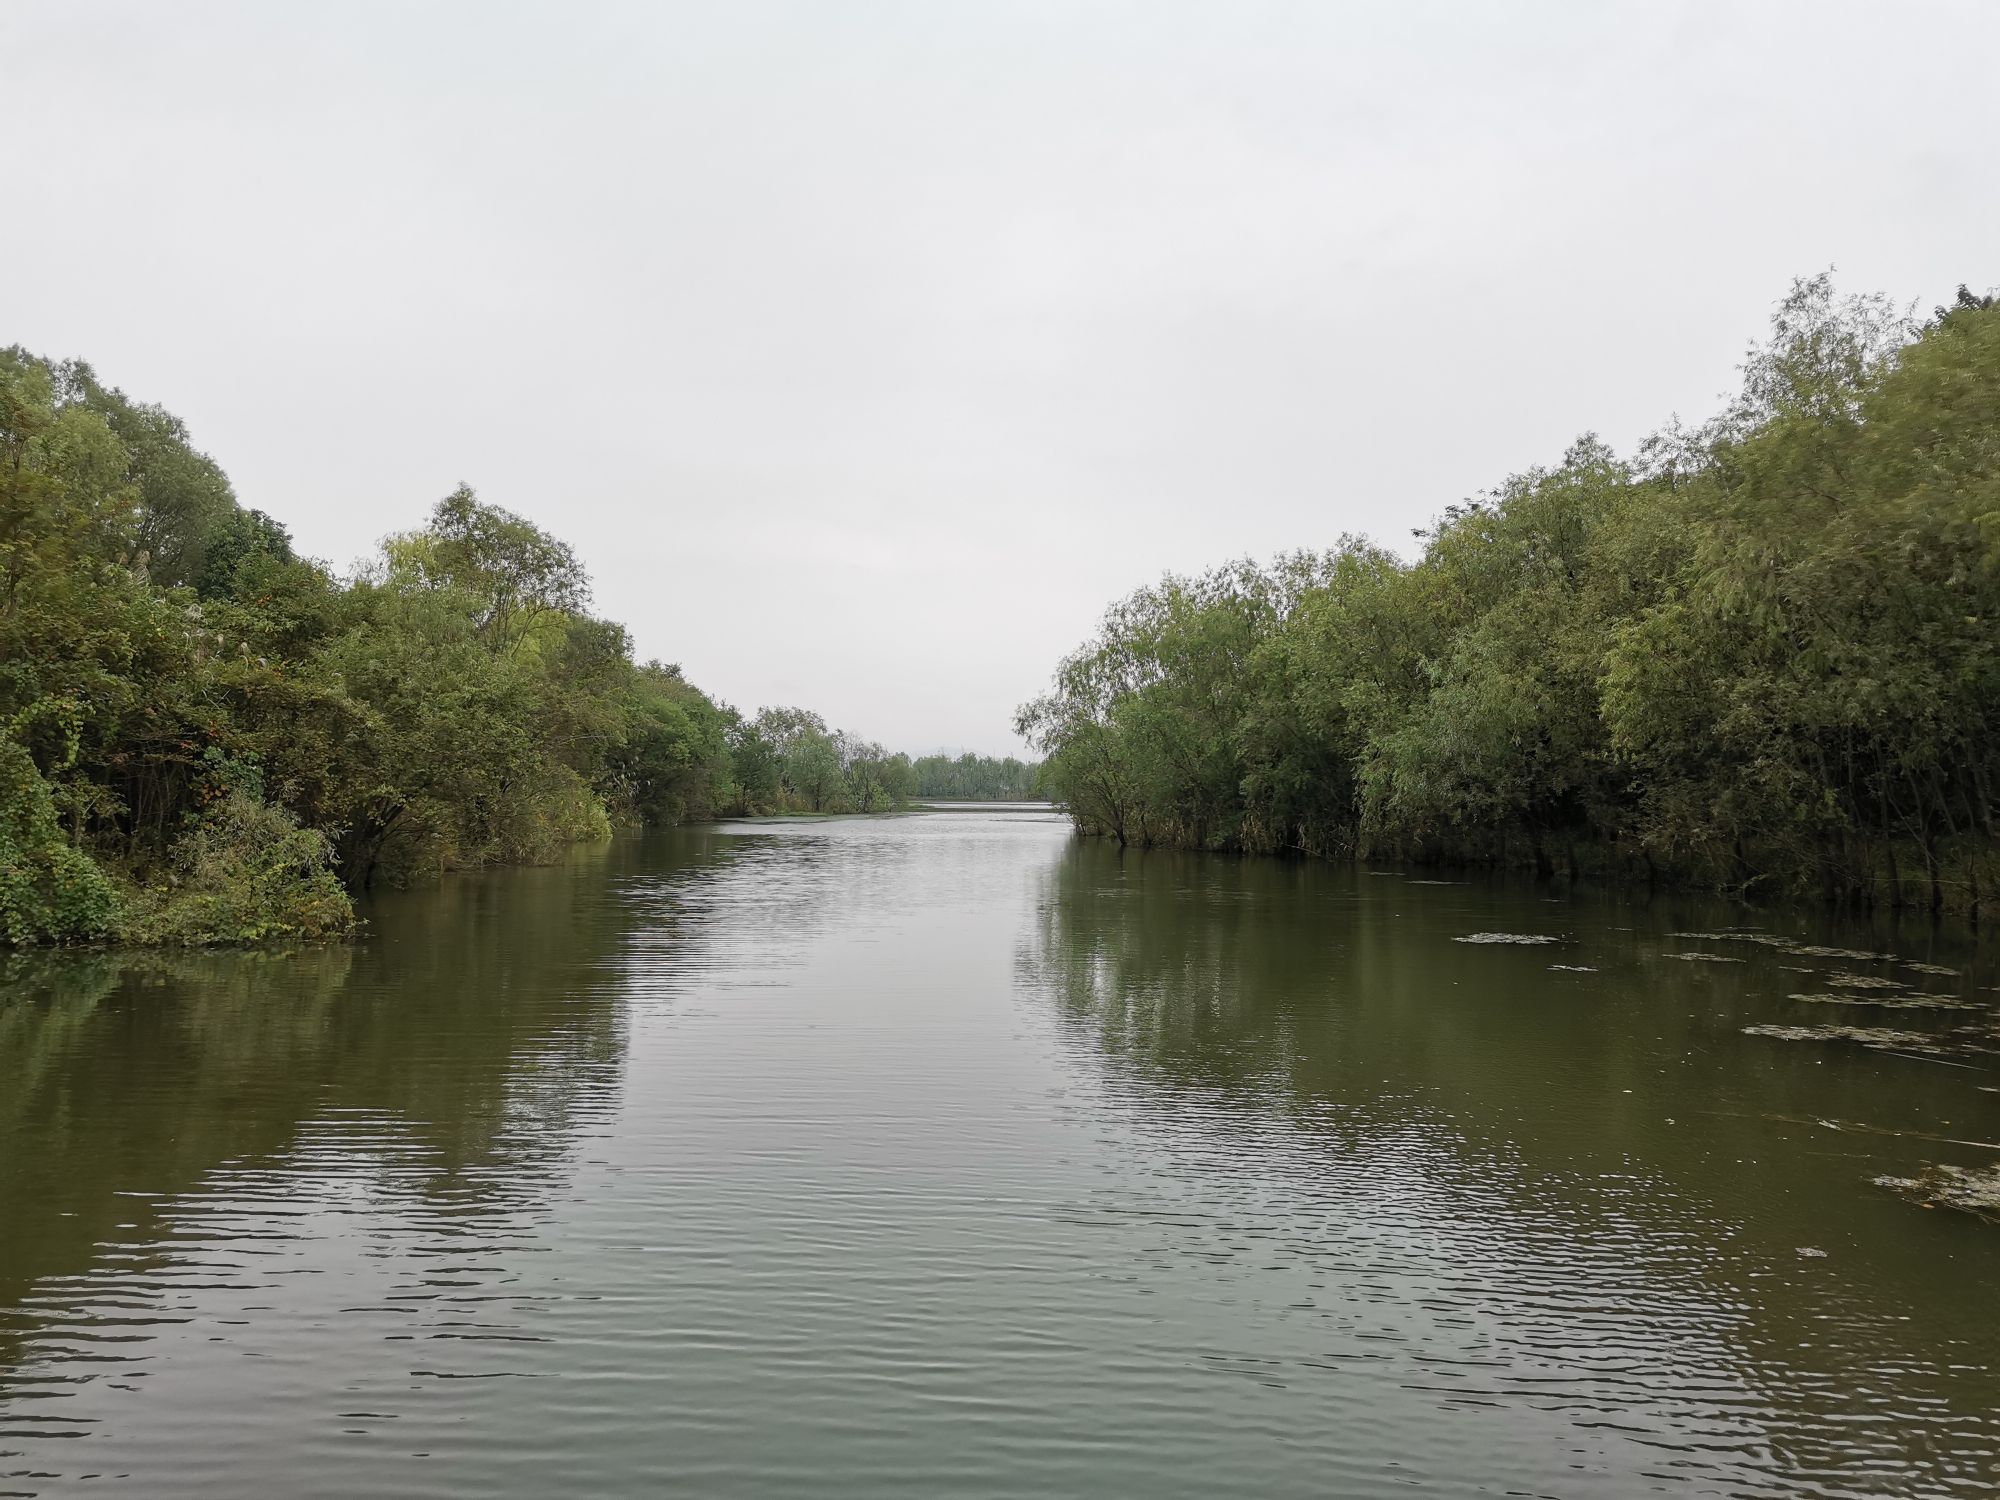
947,1155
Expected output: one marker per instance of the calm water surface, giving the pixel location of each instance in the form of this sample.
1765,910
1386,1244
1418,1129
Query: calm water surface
943,1155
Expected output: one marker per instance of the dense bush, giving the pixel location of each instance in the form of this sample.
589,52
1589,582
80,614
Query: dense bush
50,891
246,872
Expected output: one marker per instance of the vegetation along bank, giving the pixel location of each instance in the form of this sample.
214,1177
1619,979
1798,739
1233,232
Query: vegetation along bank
207,738
1761,655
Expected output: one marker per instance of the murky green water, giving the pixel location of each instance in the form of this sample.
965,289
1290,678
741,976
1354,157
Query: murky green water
943,1155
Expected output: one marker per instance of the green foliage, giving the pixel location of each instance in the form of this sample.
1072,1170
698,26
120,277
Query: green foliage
192,710
755,766
1760,655
505,574
972,778
875,780
242,550
175,498
673,762
246,873
50,891
786,760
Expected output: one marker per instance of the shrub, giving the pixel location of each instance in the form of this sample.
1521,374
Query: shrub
50,891
246,873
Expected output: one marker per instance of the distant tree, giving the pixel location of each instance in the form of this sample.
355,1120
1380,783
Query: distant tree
973,778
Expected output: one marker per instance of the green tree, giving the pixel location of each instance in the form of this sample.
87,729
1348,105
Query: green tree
1758,655
511,576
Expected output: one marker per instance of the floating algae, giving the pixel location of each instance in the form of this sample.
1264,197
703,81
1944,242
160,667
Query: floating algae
1865,982
1967,1189
1927,968
1572,969
1704,958
1867,1036
1786,945
1891,1002
1507,937
1979,1038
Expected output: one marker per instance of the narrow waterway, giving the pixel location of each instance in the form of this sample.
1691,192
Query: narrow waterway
947,1155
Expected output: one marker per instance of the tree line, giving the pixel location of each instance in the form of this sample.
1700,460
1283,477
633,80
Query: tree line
205,737
1760,655
973,778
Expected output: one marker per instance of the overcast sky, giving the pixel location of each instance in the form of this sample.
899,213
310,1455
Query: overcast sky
865,352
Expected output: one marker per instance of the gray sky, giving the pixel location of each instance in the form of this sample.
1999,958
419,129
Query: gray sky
865,352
